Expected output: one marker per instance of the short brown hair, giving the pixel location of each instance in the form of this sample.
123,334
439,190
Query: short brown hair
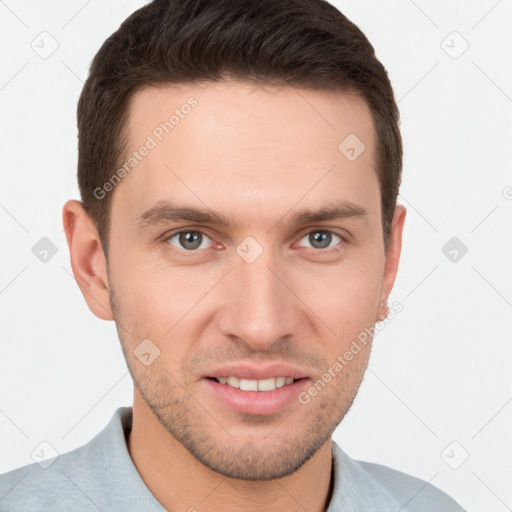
301,43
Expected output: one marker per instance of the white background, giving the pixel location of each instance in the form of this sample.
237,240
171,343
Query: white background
440,371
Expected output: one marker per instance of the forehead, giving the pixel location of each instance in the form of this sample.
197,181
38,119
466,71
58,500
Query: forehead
241,113
226,144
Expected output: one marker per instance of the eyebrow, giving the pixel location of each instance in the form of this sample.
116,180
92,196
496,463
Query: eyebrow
166,211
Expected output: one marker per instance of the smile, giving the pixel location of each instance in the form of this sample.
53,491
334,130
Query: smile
255,385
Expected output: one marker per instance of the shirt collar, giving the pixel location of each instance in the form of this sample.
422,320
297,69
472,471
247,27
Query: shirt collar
355,489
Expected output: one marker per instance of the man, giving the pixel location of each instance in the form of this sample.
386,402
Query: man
239,164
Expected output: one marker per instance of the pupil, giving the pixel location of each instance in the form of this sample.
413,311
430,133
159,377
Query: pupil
189,240
322,237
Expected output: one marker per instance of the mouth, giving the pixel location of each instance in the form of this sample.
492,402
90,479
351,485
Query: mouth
263,397
264,385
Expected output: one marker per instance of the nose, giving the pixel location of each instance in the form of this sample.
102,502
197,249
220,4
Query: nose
261,309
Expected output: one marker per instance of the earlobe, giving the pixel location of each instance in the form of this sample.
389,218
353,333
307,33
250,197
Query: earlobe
383,311
87,259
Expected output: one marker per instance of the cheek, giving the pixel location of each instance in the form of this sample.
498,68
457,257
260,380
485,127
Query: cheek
143,287
345,297
163,304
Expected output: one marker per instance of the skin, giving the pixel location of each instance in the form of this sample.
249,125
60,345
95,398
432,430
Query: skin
256,155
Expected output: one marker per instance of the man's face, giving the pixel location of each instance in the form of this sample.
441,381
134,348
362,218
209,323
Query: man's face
268,289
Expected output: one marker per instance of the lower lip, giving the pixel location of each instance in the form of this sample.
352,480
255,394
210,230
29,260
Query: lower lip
257,402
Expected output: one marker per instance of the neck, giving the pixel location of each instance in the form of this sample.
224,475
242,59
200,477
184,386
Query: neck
180,482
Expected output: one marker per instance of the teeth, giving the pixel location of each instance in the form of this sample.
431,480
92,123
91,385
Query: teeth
266,384
248,385
280,382
234,382
256,385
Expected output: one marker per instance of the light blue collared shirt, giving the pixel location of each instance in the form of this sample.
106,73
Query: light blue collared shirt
101,476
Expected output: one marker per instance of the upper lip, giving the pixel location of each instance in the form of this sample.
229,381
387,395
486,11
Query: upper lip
260,372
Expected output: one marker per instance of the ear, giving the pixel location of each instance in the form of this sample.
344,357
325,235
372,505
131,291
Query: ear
392,258
87,258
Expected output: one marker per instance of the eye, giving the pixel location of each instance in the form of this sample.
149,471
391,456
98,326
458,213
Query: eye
189,240
322,239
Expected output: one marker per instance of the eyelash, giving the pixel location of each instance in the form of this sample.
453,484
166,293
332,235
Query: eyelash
168,236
